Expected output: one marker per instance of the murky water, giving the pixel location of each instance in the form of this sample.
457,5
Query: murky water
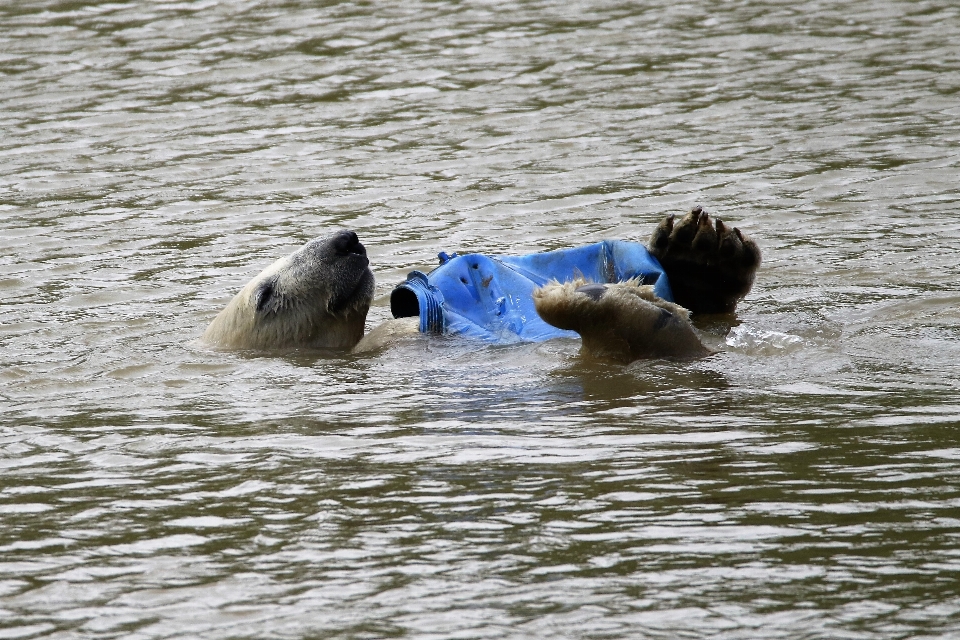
804,483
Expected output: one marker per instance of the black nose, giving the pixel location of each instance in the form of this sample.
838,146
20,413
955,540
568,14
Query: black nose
347,242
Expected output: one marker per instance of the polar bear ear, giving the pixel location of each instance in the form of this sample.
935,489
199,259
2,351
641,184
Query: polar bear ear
265,298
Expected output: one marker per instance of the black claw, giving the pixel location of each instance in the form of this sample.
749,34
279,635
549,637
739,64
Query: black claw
706,240
730,245
661,235
594,291
684,231
751,253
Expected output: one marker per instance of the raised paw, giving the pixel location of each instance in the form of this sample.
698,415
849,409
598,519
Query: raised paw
710,266
624,321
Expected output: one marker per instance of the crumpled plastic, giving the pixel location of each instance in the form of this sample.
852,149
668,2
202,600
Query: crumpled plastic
490,297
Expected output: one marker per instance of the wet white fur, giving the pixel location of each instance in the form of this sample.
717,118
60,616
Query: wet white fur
388,333
300,316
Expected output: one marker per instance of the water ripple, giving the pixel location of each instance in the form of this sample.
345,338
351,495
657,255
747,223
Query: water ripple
801,483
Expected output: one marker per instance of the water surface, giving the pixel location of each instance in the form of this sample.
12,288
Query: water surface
803,483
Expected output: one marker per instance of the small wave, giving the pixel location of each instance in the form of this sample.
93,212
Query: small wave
761,340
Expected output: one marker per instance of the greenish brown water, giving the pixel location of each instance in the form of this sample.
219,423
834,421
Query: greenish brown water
804,483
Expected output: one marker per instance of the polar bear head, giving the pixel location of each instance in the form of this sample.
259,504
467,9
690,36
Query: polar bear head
317,297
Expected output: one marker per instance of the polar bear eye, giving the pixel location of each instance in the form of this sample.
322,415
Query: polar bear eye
264,295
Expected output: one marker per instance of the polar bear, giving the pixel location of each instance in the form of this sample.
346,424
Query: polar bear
319,296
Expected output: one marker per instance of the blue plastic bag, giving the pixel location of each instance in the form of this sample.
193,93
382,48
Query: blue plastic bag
491,297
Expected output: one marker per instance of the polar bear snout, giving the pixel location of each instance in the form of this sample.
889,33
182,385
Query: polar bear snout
347,243
317,297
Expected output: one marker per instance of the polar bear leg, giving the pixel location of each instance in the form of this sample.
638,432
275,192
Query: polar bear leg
622,322
388,333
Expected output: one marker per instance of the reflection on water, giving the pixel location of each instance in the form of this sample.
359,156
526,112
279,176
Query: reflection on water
801,483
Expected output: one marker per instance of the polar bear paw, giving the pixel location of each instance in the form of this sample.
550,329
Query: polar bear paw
710,266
